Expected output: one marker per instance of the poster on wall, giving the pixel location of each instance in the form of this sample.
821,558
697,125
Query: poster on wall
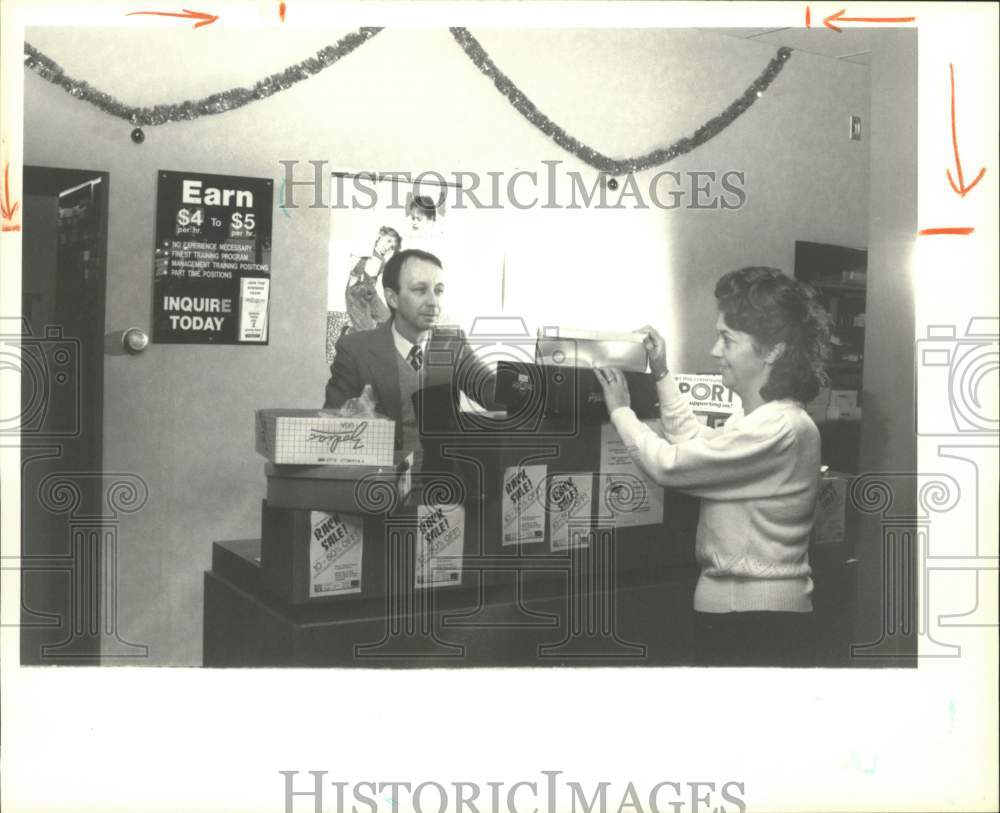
711,401
212,259
374,216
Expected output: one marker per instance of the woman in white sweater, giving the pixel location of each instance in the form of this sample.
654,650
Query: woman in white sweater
757,475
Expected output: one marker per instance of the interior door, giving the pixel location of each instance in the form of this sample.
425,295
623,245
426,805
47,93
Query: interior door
61,336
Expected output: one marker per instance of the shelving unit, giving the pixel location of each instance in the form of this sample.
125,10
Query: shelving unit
839,276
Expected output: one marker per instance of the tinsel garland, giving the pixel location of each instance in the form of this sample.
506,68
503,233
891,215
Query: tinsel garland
613,166
238,97
208,106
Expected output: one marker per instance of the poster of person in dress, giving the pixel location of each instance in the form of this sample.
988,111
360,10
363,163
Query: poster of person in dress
372,218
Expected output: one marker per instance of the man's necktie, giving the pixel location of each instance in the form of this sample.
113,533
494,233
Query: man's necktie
416,358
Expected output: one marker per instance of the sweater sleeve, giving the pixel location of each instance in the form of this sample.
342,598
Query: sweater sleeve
746,462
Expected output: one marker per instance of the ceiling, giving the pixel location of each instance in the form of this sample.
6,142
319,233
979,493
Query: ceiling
850,44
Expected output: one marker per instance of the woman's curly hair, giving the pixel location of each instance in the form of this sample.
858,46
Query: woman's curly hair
772,308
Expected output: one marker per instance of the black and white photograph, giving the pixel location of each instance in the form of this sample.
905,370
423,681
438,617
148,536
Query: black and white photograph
368,371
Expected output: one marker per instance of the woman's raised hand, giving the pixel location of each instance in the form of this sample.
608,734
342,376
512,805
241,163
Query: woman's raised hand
615,387
656,349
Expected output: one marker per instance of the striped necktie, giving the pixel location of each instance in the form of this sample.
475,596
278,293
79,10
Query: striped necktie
416,357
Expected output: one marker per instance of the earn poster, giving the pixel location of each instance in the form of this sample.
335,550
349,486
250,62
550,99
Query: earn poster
212,259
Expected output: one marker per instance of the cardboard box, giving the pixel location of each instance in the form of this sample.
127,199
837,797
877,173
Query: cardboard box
317,555
843,413
354,489
844,398
309,437
323,557
831,508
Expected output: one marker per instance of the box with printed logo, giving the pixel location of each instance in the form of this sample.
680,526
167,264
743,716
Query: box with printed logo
309,437
308,555
311,556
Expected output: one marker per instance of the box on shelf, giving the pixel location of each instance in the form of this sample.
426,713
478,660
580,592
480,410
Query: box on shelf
843,398
308,555
310,437
856,276
355,489
843,413
831,508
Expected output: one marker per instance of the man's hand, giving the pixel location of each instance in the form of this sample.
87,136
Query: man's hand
615,387
656,349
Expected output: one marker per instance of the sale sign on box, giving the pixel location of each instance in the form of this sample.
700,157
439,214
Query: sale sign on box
212,259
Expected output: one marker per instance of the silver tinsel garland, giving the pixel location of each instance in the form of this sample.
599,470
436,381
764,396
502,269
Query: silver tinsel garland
613,166
208,106
275,83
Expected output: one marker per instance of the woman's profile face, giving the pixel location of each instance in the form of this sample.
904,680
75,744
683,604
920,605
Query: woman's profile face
743,368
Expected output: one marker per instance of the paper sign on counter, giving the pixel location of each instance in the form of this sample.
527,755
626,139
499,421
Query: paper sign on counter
523,511
440,540
569,498
626,492
335,549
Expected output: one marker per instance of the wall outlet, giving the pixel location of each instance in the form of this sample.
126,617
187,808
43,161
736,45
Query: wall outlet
855,128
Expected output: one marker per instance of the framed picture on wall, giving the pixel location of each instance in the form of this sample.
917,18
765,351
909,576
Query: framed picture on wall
373,216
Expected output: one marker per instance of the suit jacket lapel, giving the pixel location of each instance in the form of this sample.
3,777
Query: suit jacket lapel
385,372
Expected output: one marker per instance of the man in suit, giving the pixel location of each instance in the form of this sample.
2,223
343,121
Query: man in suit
408,353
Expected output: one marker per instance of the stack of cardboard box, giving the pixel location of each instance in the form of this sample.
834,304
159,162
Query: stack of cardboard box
330,483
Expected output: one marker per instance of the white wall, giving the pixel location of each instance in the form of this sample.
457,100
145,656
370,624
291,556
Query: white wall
181,416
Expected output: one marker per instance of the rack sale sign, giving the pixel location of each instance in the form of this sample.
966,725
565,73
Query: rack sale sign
212,259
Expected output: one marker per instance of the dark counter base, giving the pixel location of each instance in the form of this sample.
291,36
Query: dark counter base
647,625
514,617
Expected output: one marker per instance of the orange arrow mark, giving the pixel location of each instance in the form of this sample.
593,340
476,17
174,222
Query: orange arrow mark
960,230
960,189
840,18
8,209
205,19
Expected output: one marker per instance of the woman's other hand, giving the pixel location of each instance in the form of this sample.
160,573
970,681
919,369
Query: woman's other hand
656,350
615,387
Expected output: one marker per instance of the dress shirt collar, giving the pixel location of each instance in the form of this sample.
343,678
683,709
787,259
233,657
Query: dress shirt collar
404,345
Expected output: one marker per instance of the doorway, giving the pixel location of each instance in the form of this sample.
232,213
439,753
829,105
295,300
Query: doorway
64,226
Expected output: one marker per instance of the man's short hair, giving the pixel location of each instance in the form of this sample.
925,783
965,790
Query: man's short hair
394,265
